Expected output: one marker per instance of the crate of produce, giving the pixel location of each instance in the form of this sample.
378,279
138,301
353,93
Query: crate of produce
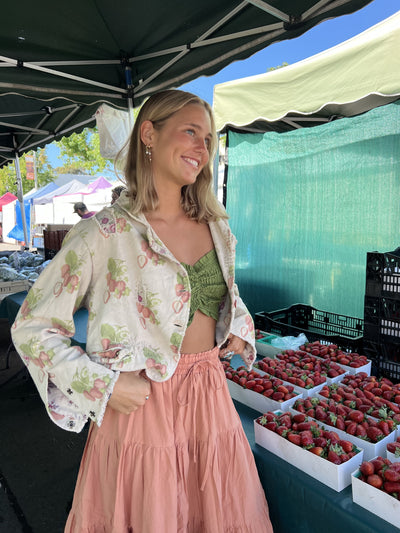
317,325
11,287
375,500
382,275
335,476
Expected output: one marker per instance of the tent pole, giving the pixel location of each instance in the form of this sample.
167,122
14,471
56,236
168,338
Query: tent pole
20,195
129,86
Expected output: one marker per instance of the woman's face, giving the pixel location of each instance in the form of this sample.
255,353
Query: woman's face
180,147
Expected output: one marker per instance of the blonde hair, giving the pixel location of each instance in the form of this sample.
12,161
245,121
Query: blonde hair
198,199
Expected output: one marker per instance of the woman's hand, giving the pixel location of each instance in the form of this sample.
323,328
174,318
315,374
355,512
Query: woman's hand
232,345
130,392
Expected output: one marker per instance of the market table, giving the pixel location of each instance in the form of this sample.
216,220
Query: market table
10,305
298,503
301,504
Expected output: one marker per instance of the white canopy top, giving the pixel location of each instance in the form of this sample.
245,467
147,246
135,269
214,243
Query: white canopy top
346,80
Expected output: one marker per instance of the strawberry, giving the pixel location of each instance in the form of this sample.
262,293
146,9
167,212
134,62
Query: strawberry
384,427
375,434
392,446
299,417
391,475
306,438
317,450
295,438
361,431
391,487
302,426
346,445
356,416
367,468
375,480
334,454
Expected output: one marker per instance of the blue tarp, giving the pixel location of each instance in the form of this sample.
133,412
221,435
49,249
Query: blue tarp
17,232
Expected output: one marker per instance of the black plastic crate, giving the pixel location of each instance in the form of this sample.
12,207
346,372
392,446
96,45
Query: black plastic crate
383,275
386,351
345,331
382,319
390,370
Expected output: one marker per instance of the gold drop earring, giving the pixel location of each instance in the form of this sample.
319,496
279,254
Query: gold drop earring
148,152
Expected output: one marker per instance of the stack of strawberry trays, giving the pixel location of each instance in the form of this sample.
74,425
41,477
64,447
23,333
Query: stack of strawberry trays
365,432
351,362
320,453
376,487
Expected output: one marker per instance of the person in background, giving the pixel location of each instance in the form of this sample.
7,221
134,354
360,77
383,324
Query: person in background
116,193
81,209
166,451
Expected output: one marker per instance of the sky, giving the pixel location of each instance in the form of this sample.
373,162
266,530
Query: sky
323,36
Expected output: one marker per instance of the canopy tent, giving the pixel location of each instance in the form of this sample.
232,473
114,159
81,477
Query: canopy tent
317,199
97,185
68,188
346,80
6,199
60,62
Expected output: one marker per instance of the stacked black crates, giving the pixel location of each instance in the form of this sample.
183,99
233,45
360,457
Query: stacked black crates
382,313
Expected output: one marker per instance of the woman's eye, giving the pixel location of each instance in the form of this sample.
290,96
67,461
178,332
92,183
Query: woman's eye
191,132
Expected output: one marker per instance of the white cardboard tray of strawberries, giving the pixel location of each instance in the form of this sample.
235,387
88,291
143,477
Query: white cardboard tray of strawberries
354,370
258,401
374,500
391,456
305,393
337,477
371,449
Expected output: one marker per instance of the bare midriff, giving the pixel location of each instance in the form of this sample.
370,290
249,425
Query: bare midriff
200,335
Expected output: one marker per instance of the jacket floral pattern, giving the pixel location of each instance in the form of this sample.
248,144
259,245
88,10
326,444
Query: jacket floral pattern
138,299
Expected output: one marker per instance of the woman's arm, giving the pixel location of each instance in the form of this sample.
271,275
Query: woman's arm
72,387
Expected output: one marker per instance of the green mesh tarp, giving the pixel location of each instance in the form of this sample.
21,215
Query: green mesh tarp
307,205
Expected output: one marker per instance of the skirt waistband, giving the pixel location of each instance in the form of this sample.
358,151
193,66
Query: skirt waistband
189,359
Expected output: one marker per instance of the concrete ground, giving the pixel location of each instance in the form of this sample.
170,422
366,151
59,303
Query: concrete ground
38,461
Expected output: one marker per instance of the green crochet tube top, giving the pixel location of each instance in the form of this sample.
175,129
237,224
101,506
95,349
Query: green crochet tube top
207,285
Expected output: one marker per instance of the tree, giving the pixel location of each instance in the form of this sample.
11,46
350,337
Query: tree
81,154
284,64
8,174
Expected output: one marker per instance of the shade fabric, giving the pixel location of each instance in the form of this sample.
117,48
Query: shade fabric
307,205
348,79
62,60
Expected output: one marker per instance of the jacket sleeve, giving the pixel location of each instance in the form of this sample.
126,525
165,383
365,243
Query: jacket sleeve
72,387
243,327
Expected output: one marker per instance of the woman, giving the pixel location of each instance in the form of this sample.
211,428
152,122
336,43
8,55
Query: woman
166,452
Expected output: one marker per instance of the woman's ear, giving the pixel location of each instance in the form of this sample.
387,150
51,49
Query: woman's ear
146,132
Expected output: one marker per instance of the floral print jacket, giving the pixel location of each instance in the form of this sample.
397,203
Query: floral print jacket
138,300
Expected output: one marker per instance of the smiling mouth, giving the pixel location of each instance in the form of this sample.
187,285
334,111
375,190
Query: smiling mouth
192,162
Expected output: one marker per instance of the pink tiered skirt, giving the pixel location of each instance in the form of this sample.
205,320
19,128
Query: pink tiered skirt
179,464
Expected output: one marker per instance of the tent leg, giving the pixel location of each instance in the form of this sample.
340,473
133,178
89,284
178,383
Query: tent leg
20,195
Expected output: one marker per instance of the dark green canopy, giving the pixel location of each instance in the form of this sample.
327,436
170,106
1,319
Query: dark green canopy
60,60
